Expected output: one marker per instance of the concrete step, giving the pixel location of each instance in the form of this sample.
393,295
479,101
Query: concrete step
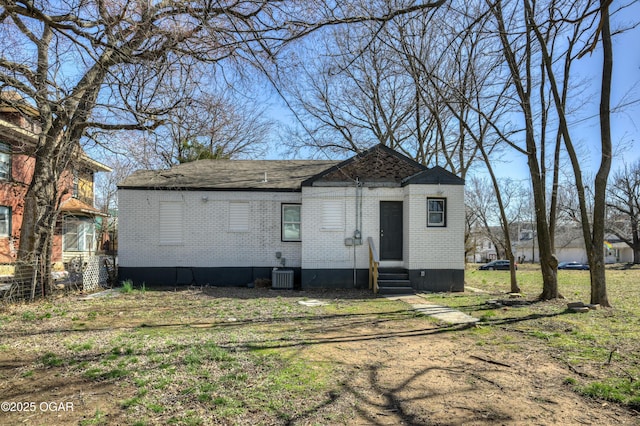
394,281
393,276
394,287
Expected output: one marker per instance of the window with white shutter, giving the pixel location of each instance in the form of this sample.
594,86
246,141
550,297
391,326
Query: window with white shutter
171,222
333,214
239,216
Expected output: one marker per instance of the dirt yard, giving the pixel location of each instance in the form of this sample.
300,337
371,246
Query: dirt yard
412,371
428,376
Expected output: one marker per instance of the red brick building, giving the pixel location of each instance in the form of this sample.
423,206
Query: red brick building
76,229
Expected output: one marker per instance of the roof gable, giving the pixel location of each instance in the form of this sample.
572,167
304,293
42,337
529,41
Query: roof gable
379,164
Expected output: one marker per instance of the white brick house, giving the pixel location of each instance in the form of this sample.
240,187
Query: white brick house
230,222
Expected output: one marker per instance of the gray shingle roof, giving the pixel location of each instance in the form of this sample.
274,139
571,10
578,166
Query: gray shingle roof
375,165
281,175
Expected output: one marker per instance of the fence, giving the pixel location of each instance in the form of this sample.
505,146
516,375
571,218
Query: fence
80,274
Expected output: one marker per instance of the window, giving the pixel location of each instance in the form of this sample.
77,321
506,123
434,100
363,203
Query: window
76,185
5,161
5,221
170,222
436,212
291,222
78,234
239,216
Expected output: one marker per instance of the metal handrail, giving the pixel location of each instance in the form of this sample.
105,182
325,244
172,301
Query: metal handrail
374,263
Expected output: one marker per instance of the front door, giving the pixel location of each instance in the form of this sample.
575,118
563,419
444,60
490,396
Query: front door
390,230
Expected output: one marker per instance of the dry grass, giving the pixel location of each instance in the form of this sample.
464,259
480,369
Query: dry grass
240,356
218,356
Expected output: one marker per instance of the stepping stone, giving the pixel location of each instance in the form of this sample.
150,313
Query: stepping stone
312,302
442,313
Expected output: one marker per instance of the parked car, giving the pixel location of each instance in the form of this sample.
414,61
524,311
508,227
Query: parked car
502,265
573,265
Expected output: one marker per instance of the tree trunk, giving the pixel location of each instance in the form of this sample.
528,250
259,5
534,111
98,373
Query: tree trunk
42,203
548,260
598,279
38,225
522,84
512,272
635,237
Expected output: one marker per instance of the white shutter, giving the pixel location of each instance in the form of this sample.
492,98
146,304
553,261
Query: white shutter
171,222
239,216
333,214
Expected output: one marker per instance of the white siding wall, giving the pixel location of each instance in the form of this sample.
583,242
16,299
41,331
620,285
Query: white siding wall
424,248
323,246
434,247
207,240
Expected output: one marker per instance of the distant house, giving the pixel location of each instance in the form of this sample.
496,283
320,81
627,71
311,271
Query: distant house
230,222
570,248
568,240
483,250
75,232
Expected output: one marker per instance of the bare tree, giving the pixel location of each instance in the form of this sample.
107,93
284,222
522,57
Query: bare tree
391,85
351,98
498,205
518,51
213,125
123,66
595,16
624,207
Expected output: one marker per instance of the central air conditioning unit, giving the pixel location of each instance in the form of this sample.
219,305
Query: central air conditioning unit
282,279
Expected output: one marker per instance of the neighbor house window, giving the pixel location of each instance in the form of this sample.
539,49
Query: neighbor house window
171,222
76,185
78,234
5,161
5,221
436,212
291,222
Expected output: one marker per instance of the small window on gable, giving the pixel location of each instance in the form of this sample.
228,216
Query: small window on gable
436,212
239,216
171,223
5,161
291,222
333,214
5,221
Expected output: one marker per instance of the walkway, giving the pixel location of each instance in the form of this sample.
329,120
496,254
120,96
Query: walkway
442,313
